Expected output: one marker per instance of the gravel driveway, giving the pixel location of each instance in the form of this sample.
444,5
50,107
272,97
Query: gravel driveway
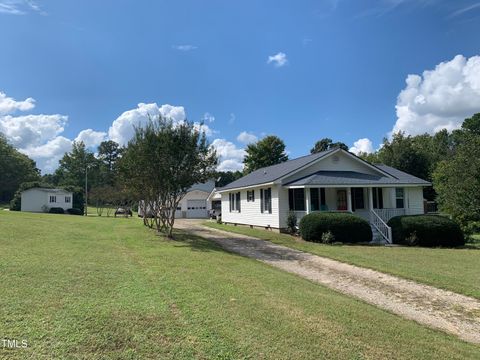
453,313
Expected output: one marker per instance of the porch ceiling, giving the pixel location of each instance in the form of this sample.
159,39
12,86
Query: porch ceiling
349,178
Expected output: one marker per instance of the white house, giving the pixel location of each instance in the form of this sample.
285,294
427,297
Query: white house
331,180
42,199
194,204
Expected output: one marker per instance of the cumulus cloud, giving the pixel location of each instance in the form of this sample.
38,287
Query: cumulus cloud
49,154
230,157
9,105
362,146
91,138
246,137
278,60
122,128
32,130
440,98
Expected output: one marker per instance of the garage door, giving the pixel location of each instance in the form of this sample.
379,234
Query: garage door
197,209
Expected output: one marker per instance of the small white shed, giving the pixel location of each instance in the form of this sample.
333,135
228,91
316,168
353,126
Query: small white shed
42,199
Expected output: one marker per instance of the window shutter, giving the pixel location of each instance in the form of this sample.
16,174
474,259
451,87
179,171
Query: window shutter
269,200
323,201
261,200
291,206
253,195
237,201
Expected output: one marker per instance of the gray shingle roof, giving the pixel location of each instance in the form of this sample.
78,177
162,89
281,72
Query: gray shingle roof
274,172
354,178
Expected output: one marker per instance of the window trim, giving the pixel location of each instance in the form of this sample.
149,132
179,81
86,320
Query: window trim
295,202
251,195
54,198
266,200
234,200
400,198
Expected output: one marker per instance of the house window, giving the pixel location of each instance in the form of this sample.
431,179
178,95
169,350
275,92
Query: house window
53,199
250,195
68,199
400,198
377,198
317,199
296,199
266,200
234,200
358,200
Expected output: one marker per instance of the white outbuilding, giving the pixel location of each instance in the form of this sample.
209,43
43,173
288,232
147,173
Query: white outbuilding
43,199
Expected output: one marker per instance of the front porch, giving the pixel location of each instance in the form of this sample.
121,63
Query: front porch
377,205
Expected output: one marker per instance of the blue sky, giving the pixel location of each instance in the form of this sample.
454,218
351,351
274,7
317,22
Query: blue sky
337,69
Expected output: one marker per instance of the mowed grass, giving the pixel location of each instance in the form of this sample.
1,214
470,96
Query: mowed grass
105,288
457,270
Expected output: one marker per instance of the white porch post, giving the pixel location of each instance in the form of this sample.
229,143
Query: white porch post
370,203
370,198
307,200
349,199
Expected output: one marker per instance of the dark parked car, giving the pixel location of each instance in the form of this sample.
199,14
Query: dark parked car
122,211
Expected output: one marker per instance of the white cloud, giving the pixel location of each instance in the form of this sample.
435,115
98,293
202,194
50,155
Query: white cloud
246,138
91,138
48,155
9,105
230,157
362,146
122,128
32,130
441,98
278,60
185,47
19,7
232,118
207,117
204,128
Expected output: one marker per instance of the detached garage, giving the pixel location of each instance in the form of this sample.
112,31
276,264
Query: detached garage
195,204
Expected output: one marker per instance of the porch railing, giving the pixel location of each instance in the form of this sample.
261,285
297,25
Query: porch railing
387,214
381,226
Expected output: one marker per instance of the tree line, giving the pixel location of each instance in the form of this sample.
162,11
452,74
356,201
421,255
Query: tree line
163,154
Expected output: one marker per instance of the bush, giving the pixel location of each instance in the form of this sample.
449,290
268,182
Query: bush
75,211
292,223
426,230
328,238
344,227
56,210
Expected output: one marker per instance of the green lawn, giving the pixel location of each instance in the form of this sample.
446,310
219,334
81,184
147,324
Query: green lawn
452,269
99,288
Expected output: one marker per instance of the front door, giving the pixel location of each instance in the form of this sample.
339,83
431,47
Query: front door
342,200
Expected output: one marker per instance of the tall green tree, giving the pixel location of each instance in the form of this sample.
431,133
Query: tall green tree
15,169
266,152
73,166
109,153
162,162
226,177
327,144
457,182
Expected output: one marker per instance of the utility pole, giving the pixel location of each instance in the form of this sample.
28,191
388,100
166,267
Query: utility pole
86,190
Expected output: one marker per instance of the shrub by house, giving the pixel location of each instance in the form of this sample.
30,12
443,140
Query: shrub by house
345,227
426,230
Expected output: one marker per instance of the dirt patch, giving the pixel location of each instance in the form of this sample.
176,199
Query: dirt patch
454,313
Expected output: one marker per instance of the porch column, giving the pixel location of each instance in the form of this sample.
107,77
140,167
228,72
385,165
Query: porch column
307,200
349,199
370,198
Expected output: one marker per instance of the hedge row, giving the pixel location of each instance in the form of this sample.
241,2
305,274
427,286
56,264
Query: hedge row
345,227
426,230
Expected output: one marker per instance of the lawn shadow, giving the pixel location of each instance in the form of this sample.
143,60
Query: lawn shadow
196,243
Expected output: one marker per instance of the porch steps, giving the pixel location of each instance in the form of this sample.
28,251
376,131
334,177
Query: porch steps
377,238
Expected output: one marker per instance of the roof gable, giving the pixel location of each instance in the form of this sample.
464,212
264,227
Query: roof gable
272,173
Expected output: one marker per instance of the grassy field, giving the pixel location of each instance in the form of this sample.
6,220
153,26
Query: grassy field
452,269
98,288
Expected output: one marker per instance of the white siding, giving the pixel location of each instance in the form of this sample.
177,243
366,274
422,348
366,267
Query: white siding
344,163
414,200
250,213
34,200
